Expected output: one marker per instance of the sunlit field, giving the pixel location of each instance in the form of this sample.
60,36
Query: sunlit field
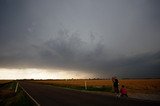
142,86
146,86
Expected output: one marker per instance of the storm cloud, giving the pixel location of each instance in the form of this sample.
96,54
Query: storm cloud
107,37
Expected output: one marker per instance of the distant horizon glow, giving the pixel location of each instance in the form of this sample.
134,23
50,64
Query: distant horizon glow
33,73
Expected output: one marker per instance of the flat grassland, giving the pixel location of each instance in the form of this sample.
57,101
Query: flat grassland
145,86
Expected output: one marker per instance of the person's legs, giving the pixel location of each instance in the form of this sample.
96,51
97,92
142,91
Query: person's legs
124,95
117,92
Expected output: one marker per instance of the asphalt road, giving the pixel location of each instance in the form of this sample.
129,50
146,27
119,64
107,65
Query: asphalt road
47,95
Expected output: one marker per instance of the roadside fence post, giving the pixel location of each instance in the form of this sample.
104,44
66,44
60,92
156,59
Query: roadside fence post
85,84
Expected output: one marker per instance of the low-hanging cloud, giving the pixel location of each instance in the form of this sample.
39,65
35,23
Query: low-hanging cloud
70,52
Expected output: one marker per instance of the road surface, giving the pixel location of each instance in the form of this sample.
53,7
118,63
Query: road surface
47,95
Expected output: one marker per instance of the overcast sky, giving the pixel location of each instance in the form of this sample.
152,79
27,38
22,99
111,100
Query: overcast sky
104,37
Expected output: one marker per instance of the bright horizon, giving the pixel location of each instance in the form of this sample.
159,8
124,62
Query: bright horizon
33,73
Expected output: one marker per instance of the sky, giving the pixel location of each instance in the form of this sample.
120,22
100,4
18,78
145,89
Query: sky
58,39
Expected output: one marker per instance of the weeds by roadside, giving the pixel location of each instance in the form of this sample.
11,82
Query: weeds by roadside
8,97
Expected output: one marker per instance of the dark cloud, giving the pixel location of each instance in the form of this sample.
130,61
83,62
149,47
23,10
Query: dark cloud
69,52
105,37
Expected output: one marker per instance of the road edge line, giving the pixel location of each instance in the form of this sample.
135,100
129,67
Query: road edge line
29,96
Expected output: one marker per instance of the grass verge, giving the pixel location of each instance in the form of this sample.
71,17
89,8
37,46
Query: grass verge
9,98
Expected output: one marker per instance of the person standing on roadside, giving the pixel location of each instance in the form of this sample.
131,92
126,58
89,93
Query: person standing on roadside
115,86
